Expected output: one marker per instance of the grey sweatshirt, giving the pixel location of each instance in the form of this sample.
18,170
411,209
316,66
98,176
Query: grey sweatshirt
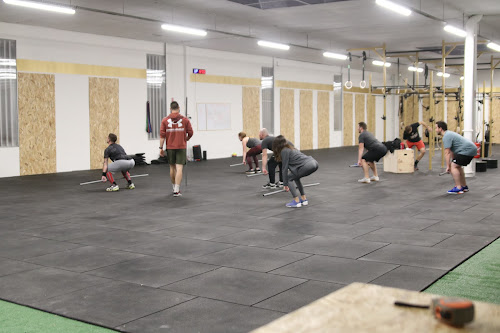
293,159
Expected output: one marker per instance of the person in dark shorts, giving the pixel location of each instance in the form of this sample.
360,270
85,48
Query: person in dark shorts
459,152
413,139
251,150
375,151
121,163
176,130
300,166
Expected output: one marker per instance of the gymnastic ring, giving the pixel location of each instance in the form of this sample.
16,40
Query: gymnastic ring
348,85
362,84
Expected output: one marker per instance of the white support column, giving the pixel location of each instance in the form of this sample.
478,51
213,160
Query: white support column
470,64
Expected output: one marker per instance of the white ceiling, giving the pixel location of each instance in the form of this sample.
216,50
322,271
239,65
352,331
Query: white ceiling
333,26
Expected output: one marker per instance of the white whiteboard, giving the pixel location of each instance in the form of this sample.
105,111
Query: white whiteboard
214,117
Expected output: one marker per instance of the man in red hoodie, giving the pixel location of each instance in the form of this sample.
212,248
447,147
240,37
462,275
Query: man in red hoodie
176,130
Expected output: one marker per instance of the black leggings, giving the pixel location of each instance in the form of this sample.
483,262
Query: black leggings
271,167
294,180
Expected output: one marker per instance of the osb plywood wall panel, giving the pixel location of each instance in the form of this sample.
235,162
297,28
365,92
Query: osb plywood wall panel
37,123
348,126
360,112
452,110
287,109
410,112
306,124
370,113
496,121
439,109
251,111
323,119
103,115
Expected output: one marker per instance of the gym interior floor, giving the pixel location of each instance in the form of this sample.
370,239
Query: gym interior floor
223,258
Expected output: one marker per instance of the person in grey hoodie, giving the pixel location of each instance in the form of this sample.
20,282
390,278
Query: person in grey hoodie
299,164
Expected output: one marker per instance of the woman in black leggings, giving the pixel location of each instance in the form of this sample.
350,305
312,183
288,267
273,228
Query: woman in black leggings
300,165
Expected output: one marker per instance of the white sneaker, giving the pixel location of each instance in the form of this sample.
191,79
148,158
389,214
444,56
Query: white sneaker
374,179
364,180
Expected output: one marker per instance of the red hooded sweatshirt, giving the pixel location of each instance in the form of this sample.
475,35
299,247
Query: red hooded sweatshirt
176,130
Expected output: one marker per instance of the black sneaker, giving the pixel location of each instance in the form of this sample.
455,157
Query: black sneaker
250,171
257,170
269,185
279,184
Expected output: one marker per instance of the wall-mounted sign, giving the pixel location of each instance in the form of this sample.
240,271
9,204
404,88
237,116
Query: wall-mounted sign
199,71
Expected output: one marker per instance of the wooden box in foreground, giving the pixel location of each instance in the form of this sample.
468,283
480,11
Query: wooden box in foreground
401,161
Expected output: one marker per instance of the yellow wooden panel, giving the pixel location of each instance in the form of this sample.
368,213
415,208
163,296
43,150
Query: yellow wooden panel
104,111
495,133
287,110
347,117
359,112
452,110
371,114
426,115
303,85
306,124
323,119
38,66
251,111
439,110
37,123
220,79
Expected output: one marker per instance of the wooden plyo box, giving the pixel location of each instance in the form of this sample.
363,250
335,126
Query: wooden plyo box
400,162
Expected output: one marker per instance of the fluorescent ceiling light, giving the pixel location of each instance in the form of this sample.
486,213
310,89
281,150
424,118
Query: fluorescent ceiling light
381,63
462,78
493,46
185,30
41,6
273,45
445,74
454,30
394,7
335,55
415,69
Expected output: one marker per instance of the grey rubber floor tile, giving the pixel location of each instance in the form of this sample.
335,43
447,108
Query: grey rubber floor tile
299,296
251,258
337,270
409,278
456,216
23,248
465,243
67,231
114,303
335,247
179,248
144,225
203,315
262,238
398,222
334,229
8,267
119,239
325,216
84,258
235,285
200,231
428,257
152,271
43,283
408,237
465,228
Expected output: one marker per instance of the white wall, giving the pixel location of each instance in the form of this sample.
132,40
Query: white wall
222,143
72,122
10,162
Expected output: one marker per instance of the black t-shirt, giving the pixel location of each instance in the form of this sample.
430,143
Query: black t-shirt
115,152
267,143
413,136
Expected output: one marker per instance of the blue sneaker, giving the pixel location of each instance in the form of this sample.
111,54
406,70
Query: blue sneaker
293,204
304,202
465,188
455,190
